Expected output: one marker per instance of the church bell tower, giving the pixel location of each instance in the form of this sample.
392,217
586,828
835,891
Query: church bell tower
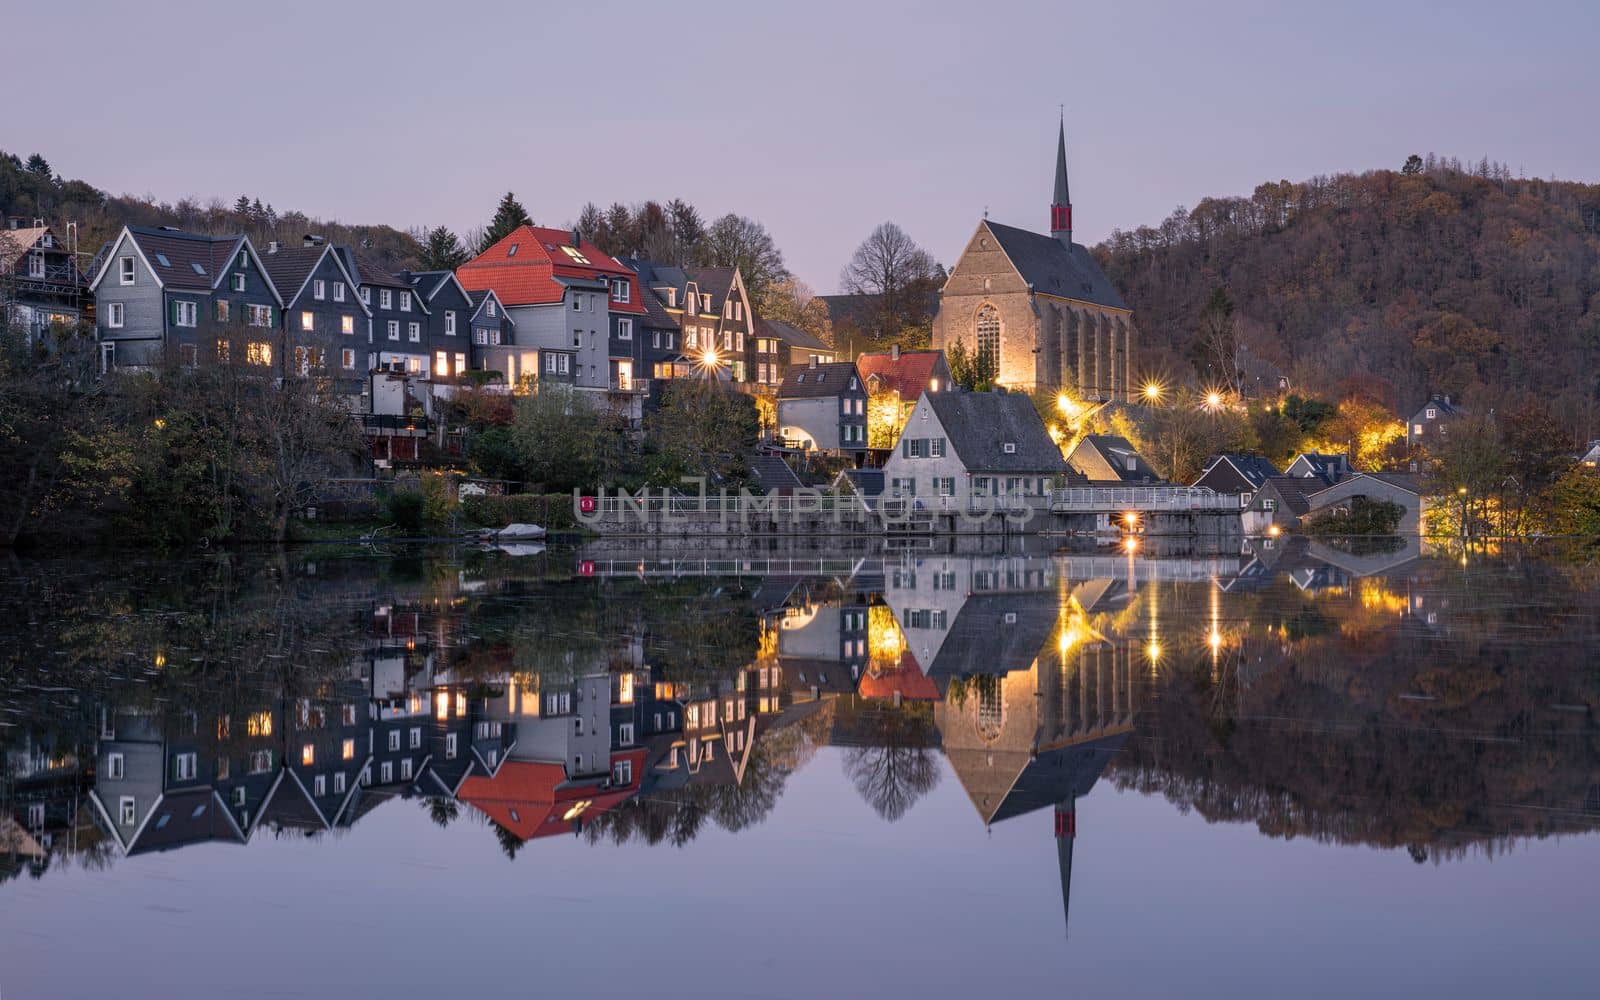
1061,206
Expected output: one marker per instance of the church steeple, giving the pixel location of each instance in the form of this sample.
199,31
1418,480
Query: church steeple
1066,833
1061,205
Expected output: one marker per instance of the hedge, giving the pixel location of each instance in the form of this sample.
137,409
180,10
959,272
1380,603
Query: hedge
549,510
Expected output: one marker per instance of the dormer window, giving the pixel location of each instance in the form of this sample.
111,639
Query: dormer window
620,292
489,308
1432,413
1010,448
125,270
705,301
575,255
672,297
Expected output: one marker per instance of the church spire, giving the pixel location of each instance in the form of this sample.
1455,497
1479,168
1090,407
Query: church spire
1066,833
1061,206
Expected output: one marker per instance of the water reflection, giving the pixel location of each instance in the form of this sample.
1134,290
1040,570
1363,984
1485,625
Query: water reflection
1394,698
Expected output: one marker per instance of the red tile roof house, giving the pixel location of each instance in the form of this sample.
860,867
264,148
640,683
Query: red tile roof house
910,373
576,313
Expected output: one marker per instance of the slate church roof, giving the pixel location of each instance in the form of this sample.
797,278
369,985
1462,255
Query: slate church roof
1054,269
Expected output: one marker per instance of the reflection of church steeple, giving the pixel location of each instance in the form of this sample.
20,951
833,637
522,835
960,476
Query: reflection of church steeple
1066,833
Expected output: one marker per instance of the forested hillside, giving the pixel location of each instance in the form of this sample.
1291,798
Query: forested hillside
1439,277
30,189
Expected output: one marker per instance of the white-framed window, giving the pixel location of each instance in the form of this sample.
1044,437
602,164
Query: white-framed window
338,291
347,325
393,327
405,302
319,289
115,767
564,364
622,772
347,359
550,363
238,797
577,302
125,810
394,740
258,315
405,769
416,737
366,296
1416,428
238,283
386,772
338,783
490,307
224,309
449,322
480,336
125,270
621,291
414,332
184,313
115,315
461,362
624,329
625,734
385,299
1432,413
451,746
319,785
260,761
308,320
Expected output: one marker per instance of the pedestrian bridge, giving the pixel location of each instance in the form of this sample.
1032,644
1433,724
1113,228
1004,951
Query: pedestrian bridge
1143,499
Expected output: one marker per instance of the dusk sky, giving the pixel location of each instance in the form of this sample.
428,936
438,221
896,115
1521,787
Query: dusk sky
818,119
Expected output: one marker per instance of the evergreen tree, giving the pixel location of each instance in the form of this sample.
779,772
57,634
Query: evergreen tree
242,206
1413,165
508,215
39,165
441,250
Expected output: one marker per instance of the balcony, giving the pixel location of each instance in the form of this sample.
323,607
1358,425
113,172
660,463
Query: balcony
393,425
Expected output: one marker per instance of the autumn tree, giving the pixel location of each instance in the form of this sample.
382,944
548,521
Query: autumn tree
791,301
565,441
702,428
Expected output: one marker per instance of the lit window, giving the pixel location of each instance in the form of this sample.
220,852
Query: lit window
347,357
441,363
258,353
347,325
575,254
308,754
348,751
625,690
307,320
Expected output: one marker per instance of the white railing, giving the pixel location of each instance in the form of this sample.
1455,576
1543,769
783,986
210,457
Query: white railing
1144,499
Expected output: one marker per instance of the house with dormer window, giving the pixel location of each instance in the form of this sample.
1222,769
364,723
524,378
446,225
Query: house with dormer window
164,296
968,445
326,325
823,407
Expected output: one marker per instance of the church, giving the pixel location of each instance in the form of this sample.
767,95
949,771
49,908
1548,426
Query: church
1041,306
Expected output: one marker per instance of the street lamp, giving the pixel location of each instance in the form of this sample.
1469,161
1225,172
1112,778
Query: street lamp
1152,392
1462,492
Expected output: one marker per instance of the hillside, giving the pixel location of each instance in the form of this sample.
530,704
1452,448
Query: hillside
1439,278
30,189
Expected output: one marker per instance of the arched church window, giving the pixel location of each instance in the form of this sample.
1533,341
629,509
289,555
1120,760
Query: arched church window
991,708
988,331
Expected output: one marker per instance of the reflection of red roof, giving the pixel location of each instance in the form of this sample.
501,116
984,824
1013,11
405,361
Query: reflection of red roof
529,799
523,267
909,375
907,678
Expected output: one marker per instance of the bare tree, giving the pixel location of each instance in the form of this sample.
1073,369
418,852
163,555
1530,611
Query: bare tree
889,266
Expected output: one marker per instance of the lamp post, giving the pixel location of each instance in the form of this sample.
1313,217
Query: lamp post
1461,491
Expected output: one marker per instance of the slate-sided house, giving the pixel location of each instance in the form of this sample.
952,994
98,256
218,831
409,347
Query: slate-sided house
660,335
1108,458
1241,474
973,444
326,325
824,408
40,283
447,336
1329,468
1431,423
494,342
577,306
1403,488
399,316
712,310
1280,502
779,347
166,294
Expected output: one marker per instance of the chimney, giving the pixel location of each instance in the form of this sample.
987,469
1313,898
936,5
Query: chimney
311,241
894,352
272,246
576,241
1447,400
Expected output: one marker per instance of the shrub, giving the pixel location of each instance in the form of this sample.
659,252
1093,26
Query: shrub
1363,516
550,510
406,510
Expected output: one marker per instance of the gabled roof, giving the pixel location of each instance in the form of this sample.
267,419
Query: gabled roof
186,817
428,283
905,679
1327,467
1054,269
656,316
532,266
15,244
192,261
1294,491
1117,455
791,336
908,374
1410,482
291,268
1442,404
774,474
817,381
1255,469
979,426
479,298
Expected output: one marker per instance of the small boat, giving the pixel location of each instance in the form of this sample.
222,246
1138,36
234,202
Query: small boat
519,548
519,533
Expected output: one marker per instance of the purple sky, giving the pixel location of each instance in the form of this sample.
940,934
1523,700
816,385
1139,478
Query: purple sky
821,119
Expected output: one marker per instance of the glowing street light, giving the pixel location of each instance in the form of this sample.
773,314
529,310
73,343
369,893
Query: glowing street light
1067,405
1213,399
1152,392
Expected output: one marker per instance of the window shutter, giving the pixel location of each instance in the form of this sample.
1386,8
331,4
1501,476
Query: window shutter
172,310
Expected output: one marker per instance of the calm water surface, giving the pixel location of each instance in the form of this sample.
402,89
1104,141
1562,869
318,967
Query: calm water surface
1284,771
